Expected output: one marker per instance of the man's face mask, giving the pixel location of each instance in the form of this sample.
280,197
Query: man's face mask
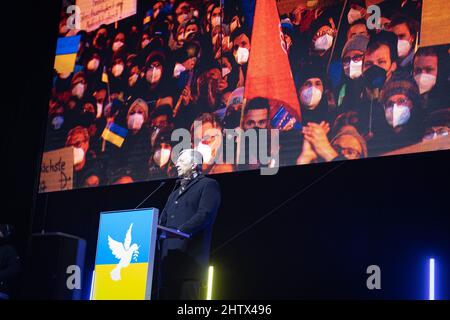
397,115
403,47
153,75
374,77
93,64
323,43
117,45
354,70
78,156
425,81
206,152
225,71
215,21
78,90
135,121
242,55
117,70
162,156
310,97
353,15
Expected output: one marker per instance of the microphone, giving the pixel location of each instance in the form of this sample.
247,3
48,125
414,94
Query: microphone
159,187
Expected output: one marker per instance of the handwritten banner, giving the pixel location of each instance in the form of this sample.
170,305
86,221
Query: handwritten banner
56,170
94,13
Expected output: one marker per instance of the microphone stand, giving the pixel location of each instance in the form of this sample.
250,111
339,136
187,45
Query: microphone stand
151,193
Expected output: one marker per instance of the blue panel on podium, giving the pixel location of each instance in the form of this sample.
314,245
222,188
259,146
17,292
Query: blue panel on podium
125,255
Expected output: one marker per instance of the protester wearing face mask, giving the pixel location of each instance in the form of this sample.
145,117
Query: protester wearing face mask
356,12
403,117
137,116
241,52
118,43
405,28
56,127
133,76
216,16
433,86
79,86
94,69
312,95
352,64
160,163
382,52
208,140
151,86
117,75
323,32
87,170
135,150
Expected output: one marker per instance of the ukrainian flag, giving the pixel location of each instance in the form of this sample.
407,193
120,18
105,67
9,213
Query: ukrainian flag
136,277
66,54
115,134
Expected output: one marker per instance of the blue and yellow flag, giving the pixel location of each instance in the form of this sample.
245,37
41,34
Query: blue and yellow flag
66,54
115,134
125,255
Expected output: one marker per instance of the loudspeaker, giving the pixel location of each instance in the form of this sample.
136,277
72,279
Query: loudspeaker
54,267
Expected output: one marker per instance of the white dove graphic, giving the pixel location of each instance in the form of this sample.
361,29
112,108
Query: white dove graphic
124,252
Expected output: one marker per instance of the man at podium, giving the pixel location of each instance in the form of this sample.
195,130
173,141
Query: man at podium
191,208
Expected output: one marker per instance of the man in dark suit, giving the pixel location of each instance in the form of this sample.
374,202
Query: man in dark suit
191,208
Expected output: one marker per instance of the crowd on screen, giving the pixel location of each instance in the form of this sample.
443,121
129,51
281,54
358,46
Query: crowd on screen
362,92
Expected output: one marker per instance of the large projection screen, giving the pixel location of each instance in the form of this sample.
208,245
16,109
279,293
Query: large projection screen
250,84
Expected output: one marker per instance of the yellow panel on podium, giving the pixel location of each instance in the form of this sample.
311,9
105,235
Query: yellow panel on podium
125,255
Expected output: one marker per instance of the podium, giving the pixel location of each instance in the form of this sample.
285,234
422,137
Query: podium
124,261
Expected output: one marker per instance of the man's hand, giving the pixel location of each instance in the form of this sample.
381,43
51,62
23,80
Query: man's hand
307,155
316,135
186,96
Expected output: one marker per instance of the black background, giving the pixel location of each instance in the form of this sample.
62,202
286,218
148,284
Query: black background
341,217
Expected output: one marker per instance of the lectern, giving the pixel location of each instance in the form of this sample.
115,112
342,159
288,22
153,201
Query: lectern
124,262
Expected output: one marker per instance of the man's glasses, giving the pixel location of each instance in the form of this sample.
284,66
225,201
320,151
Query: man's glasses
348,152
354,58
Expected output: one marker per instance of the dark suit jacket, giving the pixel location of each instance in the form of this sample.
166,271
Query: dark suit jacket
193,212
